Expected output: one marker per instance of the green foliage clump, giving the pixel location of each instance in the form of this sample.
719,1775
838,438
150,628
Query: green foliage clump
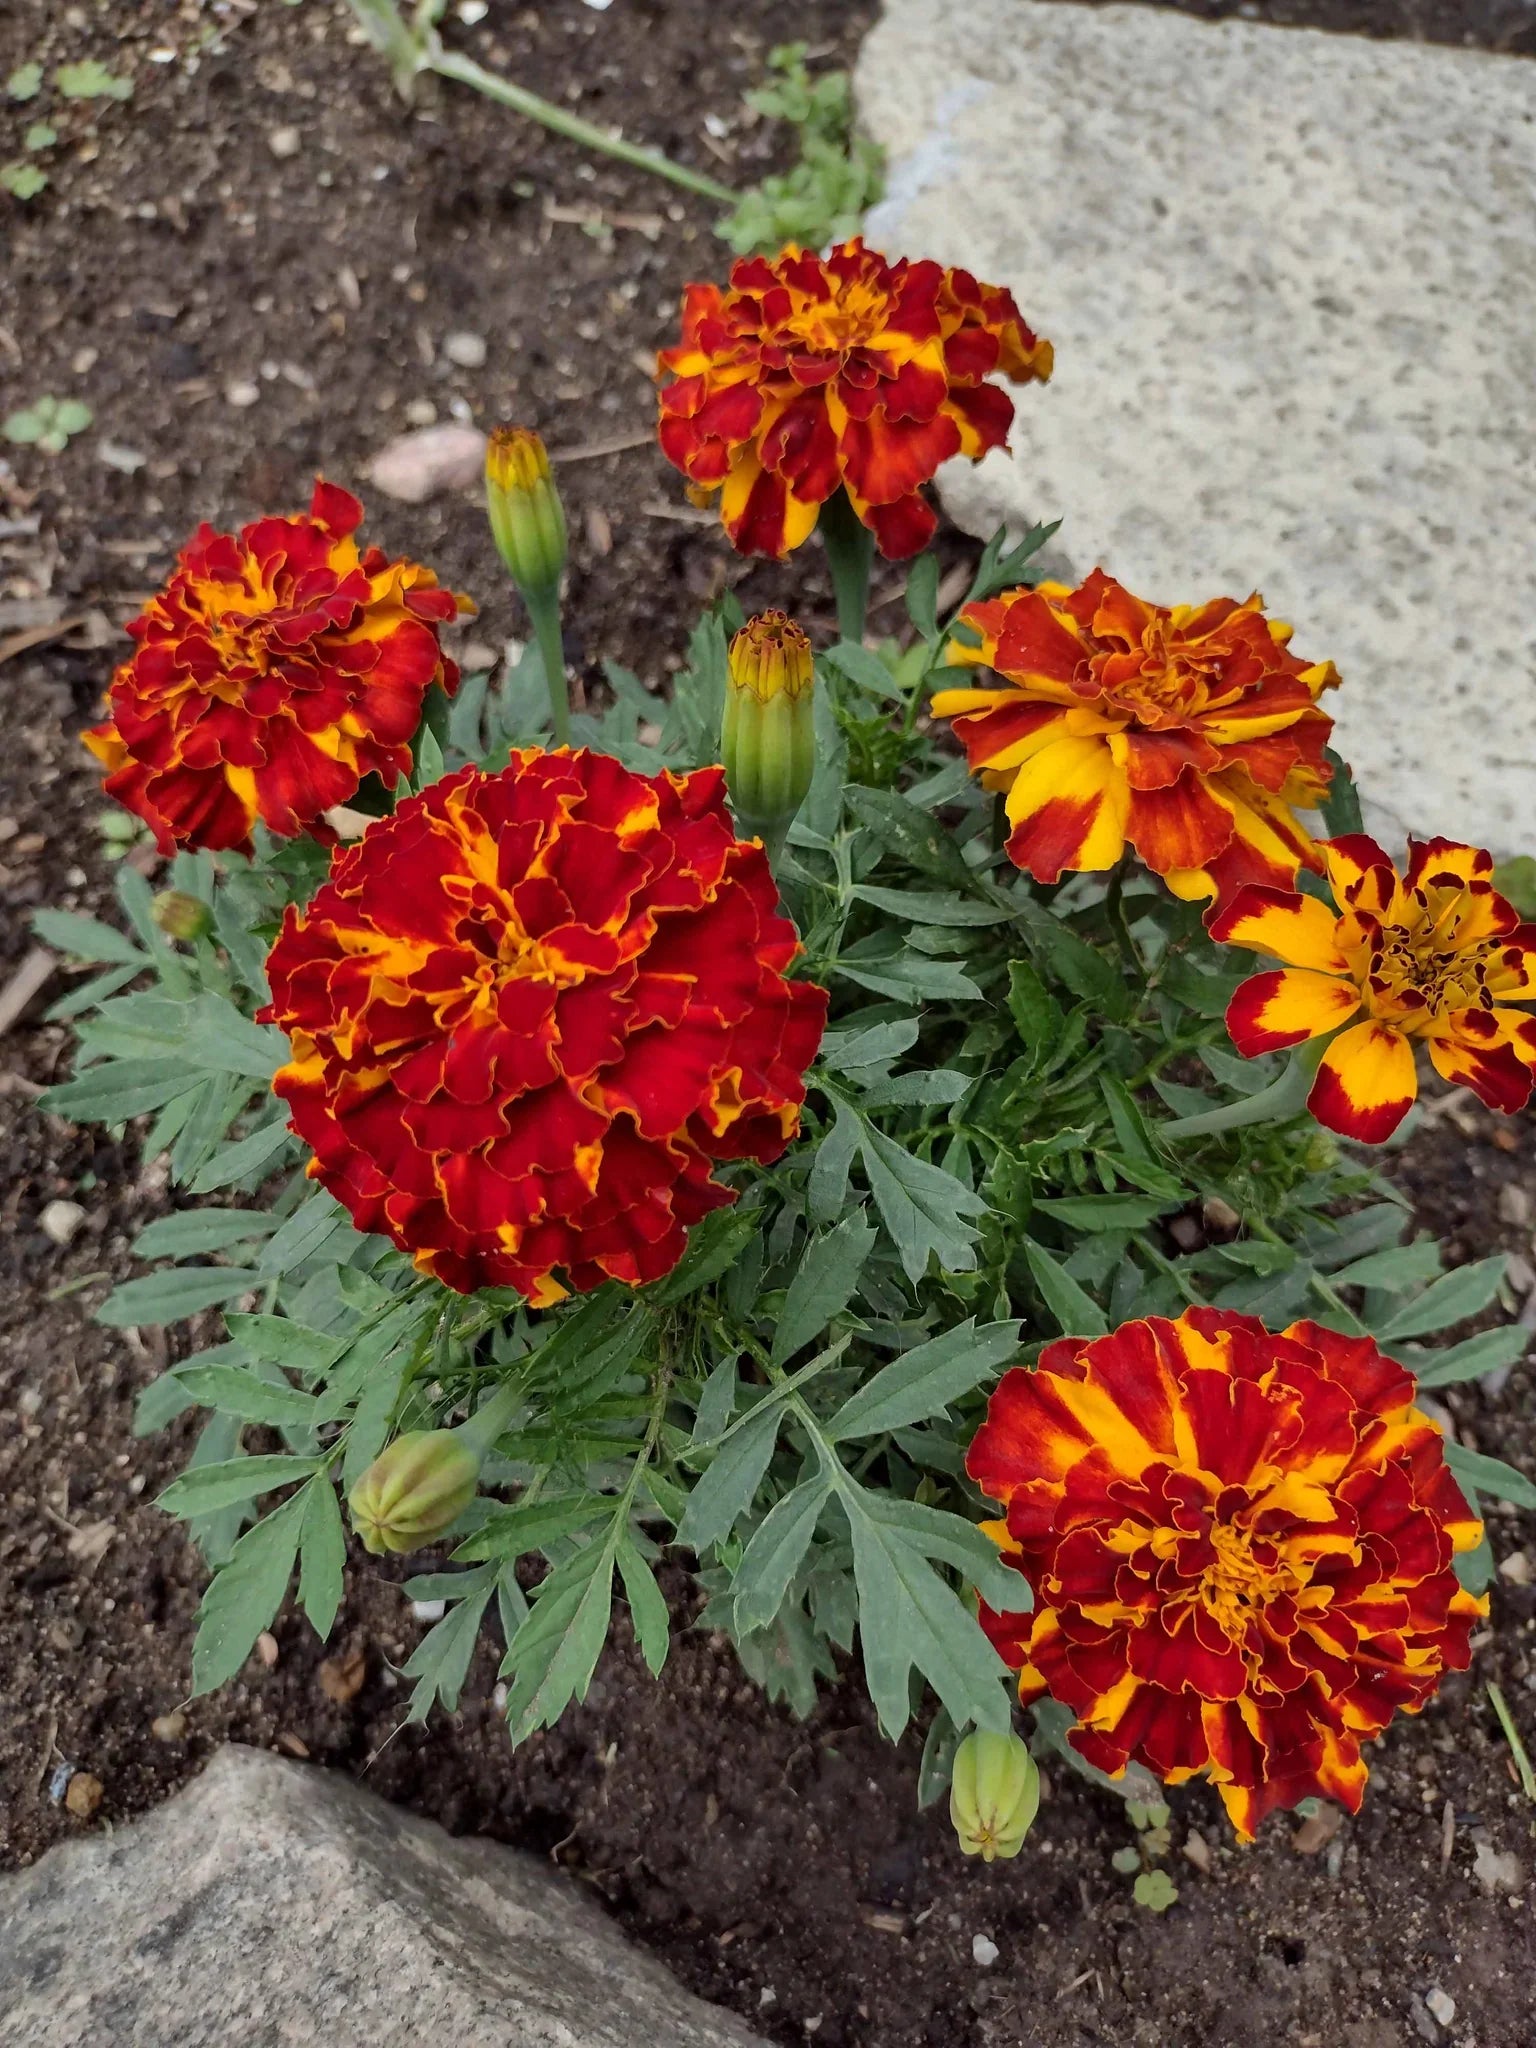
839,174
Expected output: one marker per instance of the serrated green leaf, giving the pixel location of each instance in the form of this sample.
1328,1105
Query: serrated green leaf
303,1235
1485,1352
513,1531
1104,1212
203,1489
201,1230
1077,1313
1035,1011
1400,1265
1489,1475
322,1555
440,1661
236,1391
87,938
647,1609
373,1415
925,1209
777,1551
239,1161
119,1089
278,1340
923,595
826,1191
167,1297
717,1401
1463,1292
923,1381
244,1595
911,835
876,1045
864,668
823,1285
713,1248
727,1487
551,1659
931,906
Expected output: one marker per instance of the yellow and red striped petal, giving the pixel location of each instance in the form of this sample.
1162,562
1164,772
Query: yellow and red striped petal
1366,1083
1492,1052
1291,927
1273,1011
1067,807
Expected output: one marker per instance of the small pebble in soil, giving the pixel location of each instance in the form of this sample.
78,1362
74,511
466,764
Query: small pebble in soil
421,412
168,1727
285,142
84,1795
429,1610
1515,1570
471,11
266,1649
241,394
466,350
984,1951
1441,2004
60,1221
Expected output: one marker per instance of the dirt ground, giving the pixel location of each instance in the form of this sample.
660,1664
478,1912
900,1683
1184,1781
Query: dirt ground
250,270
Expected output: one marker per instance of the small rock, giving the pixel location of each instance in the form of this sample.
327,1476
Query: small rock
429,1610
116,456
471,11
1497,1870
1198,1850
1422,2024
341,1678
83,1795
285,142
1441,2004
467,350
266,1649
984,1951
29,1401
1515,1570
416,466
60,1222
168,1727
421,412
477,654
293,1745
1319,1831
599,531
1220,1215
241,394
1515,1204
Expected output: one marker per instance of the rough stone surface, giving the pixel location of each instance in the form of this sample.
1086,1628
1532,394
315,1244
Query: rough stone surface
270,1904
1292,286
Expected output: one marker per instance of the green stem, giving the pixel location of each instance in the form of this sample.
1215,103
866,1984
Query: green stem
1284,1098
450,64
491,1418
544,610
850,550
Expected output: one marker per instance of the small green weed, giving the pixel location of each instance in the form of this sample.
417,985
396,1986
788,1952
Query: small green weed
48,423
839,175
90,80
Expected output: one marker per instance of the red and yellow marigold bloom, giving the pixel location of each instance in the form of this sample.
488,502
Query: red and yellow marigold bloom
531,1010
1434,954
808,374
278,668
1240,1547
1190,734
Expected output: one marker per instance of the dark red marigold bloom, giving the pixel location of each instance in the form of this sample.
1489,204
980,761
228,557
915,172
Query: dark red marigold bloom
811,373
278,667
1241,1550
529,1012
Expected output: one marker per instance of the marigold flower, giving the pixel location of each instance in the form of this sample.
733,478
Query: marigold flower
1189,733
277,669
530,1010
1240,1546
1436,954
810,373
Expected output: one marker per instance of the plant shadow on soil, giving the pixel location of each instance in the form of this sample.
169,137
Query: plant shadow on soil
779,1867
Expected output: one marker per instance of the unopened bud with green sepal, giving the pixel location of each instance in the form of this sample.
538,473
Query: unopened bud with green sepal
767,731
418,1486
182,916
527,518
994,1794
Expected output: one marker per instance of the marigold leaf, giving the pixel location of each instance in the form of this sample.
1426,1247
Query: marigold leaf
440,1662
244,1594
201,1230
241,1160
1486,1352
235,1390
551,1659
203,1488
647,1609
1464,1291
727,1488
1077,1313
776,1552
167,1297
824,1282
926,1379
1489,1475
924,1208
322,1555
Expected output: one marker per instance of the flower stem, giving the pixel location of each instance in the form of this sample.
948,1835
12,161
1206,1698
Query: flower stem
850,550
544,610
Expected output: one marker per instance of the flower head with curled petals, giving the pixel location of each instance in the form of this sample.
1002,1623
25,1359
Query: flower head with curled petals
1241,1550
1436,953
808,374
531,1010
1188,734
278,667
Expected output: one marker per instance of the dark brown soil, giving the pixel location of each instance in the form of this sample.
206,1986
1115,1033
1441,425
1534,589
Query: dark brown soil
781,1868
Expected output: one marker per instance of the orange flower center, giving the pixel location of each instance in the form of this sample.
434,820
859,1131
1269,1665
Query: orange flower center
1423,966
835,326
1236,1586
1161,683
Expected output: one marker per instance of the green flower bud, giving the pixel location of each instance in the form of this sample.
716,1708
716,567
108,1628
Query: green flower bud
994,1794
527,518
414,1490
767,733
181,916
